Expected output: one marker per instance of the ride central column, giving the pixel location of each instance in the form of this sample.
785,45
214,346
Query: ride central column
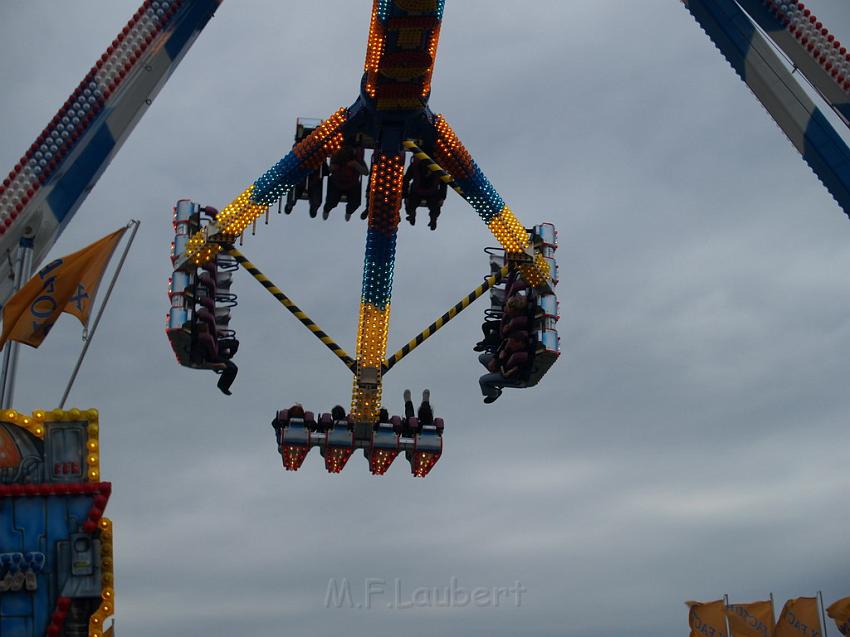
385,196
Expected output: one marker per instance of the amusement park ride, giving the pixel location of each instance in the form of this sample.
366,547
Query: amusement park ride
55,544
390,117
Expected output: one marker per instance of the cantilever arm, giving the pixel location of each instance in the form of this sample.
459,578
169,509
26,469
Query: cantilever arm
294,309
255,200
459,307
455,166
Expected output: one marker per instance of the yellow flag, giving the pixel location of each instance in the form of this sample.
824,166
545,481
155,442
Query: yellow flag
799,618
840,613
67,285
751,620
707,619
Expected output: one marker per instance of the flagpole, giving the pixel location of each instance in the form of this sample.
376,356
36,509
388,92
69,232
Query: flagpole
822,614
726,614
91,332
23,267
772,612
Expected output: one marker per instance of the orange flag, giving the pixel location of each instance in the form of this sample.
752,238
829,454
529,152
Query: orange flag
68,284
707,619
799,618
840,613
751,620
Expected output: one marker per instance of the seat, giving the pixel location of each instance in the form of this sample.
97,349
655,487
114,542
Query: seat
383,448
207,282
295,441
339,445
411,427
427,449
396,423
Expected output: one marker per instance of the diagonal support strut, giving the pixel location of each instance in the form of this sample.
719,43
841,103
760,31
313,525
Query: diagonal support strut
459,307
294,309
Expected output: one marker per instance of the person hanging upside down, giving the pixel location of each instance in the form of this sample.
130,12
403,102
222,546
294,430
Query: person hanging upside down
312,185
424,414
347,166
423,185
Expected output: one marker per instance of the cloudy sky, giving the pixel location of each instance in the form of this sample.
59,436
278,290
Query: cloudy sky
690,442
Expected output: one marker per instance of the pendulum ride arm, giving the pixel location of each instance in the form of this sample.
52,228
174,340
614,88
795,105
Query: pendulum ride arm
755,62
459,307
253,202
53,178
813,50
456,167
294,309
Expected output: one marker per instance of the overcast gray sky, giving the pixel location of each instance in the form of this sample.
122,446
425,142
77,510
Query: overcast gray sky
691,441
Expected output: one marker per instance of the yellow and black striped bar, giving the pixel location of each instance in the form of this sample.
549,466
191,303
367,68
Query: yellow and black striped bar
294,309
434,167
461,305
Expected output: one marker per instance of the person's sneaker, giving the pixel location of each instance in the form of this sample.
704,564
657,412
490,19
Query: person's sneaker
313,214
491,399
407,397
326,214
479,347
412,219
348,216
432,224
365,214
288,209
426,395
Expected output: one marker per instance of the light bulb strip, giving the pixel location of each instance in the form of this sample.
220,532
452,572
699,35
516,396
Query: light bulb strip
254,201
107,595
401,51
86,103
385,196
480,194
815,39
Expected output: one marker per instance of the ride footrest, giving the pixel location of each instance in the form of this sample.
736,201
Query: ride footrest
297,434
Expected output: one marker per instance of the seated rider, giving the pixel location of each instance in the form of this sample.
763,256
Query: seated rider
347,166
505,370
492,331
514,318
227,348
422,184
215,354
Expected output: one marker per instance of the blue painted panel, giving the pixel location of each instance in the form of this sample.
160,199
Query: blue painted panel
824,150
829,157
191,23
71,187
9,537
15,605
16,627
